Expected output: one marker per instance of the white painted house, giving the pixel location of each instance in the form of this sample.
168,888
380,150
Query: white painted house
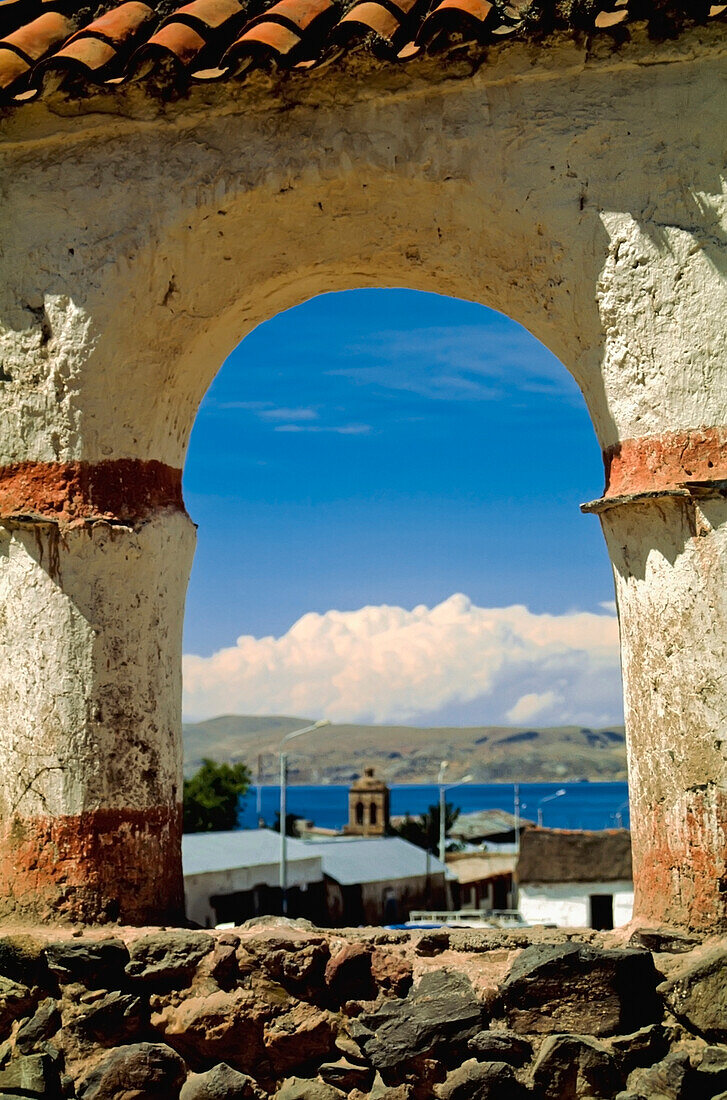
575,878
232,876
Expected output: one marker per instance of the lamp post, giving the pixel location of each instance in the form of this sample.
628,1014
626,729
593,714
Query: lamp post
548,798
283,792
442,790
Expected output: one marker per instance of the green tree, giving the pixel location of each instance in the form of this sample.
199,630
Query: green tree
212,797
424,830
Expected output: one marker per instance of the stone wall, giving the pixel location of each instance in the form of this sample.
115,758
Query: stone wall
283,1009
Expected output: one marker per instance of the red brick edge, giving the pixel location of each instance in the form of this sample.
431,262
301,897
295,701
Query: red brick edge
663,462
122,490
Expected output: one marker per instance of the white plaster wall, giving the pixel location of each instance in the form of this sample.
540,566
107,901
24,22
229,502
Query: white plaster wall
577,188
567,904
198,889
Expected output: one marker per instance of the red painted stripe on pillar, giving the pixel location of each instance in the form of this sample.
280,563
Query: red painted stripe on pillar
668,461
93,867
122,490
680,860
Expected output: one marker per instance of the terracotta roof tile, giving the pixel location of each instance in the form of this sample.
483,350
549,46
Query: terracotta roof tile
44,43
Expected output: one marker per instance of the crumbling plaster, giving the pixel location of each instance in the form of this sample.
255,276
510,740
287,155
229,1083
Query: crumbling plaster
576,187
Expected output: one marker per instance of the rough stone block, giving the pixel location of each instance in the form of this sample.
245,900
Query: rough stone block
572,1066
666,1080
220,1083
441,1009
579,988
346,1075
16,1000
21,958
348,973
97,964
167,956
698,994
144,1071
300,1088
500,1046
41,1026
114,1018
480,1081
710,1071
30,1075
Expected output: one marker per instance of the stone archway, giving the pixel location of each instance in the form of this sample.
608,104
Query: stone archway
564,186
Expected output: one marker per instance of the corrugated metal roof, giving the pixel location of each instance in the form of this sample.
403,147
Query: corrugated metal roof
485,823
347,860
370,859
206,852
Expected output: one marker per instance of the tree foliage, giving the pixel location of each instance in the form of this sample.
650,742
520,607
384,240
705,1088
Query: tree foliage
424,830
212,797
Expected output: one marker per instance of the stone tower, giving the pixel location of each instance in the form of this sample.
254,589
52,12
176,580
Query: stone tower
368,806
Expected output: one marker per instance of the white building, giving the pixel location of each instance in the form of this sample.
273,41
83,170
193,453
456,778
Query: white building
233,876
575,878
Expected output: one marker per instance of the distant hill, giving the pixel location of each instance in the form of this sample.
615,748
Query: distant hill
410,754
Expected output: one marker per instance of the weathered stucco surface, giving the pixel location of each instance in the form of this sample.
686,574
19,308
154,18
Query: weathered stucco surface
575,186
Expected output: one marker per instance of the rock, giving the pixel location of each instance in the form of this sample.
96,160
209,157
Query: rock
97,964
500,1046
298,1036
572,1066
21,958
300,963
114,1018
432,943
142,1071
697,995
640,1048
30,1075
167,956
574,987
391,971
220,1083
41,1026
480,1081
16,1000
348,973
380,1091
300,1088
664,940
710,1071
667,1080
442,1009
221,1027
346,1075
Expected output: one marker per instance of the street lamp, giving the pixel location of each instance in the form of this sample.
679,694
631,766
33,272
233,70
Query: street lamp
548,798
283,782
442,790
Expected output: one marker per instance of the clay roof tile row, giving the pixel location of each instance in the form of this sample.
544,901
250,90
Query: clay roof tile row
45,45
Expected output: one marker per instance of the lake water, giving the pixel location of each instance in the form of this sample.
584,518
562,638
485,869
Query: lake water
583,806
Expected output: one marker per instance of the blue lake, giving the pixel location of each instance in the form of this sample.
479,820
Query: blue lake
583,806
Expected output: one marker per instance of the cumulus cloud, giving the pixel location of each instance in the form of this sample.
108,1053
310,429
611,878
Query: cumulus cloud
451,662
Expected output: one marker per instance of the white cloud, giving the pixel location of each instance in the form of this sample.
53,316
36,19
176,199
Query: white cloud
530,705
288,414
387,664
337,429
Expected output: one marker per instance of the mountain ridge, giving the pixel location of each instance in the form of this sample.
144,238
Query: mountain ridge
409,754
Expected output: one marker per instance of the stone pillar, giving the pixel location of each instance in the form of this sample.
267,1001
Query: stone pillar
664,516
94,562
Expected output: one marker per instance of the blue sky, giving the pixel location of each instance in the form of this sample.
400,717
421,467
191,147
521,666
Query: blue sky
389,448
